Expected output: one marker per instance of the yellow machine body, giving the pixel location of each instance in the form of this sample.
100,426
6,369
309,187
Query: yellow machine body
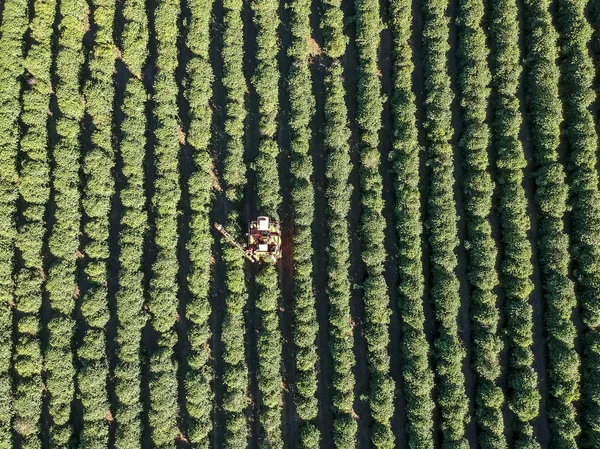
264,240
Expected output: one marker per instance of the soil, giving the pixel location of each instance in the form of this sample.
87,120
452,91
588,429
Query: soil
116,211
83,283
149,335
564,151
541,427
592,13
425,174
18,262
250,210
186,166
50,219
502,381
464,321
357,270
391,265
120,81
1,12
286,267
218,215
418,82
321,239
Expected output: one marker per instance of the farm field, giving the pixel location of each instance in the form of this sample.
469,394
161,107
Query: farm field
430,172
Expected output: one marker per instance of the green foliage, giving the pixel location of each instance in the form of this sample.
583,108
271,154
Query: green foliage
163,285
235,379
98,189
516,266
332,24
12,31
135,36
235,84
233,331
134,223
338,192
199,395
163,392
130,295
336,135
80,182
375,297
302,104
309,437
442,228
474,78
34,191
266,84
64,235
269,358
577,94
418,376
545,116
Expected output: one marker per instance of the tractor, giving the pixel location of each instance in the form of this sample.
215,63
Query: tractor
263,240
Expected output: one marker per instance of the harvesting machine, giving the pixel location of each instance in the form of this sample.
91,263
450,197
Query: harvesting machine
263,240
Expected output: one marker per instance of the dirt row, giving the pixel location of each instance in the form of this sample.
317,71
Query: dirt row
50,219
219,215
320,238
541,427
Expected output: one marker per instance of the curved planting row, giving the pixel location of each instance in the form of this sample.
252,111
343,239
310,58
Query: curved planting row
376,300
64,235
478,189
34,190
133,227
266,83
516,266
163,285
546,116
336,135
302,104
199,396
233,331
441,223
578,95
417,374
12,32
99,186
